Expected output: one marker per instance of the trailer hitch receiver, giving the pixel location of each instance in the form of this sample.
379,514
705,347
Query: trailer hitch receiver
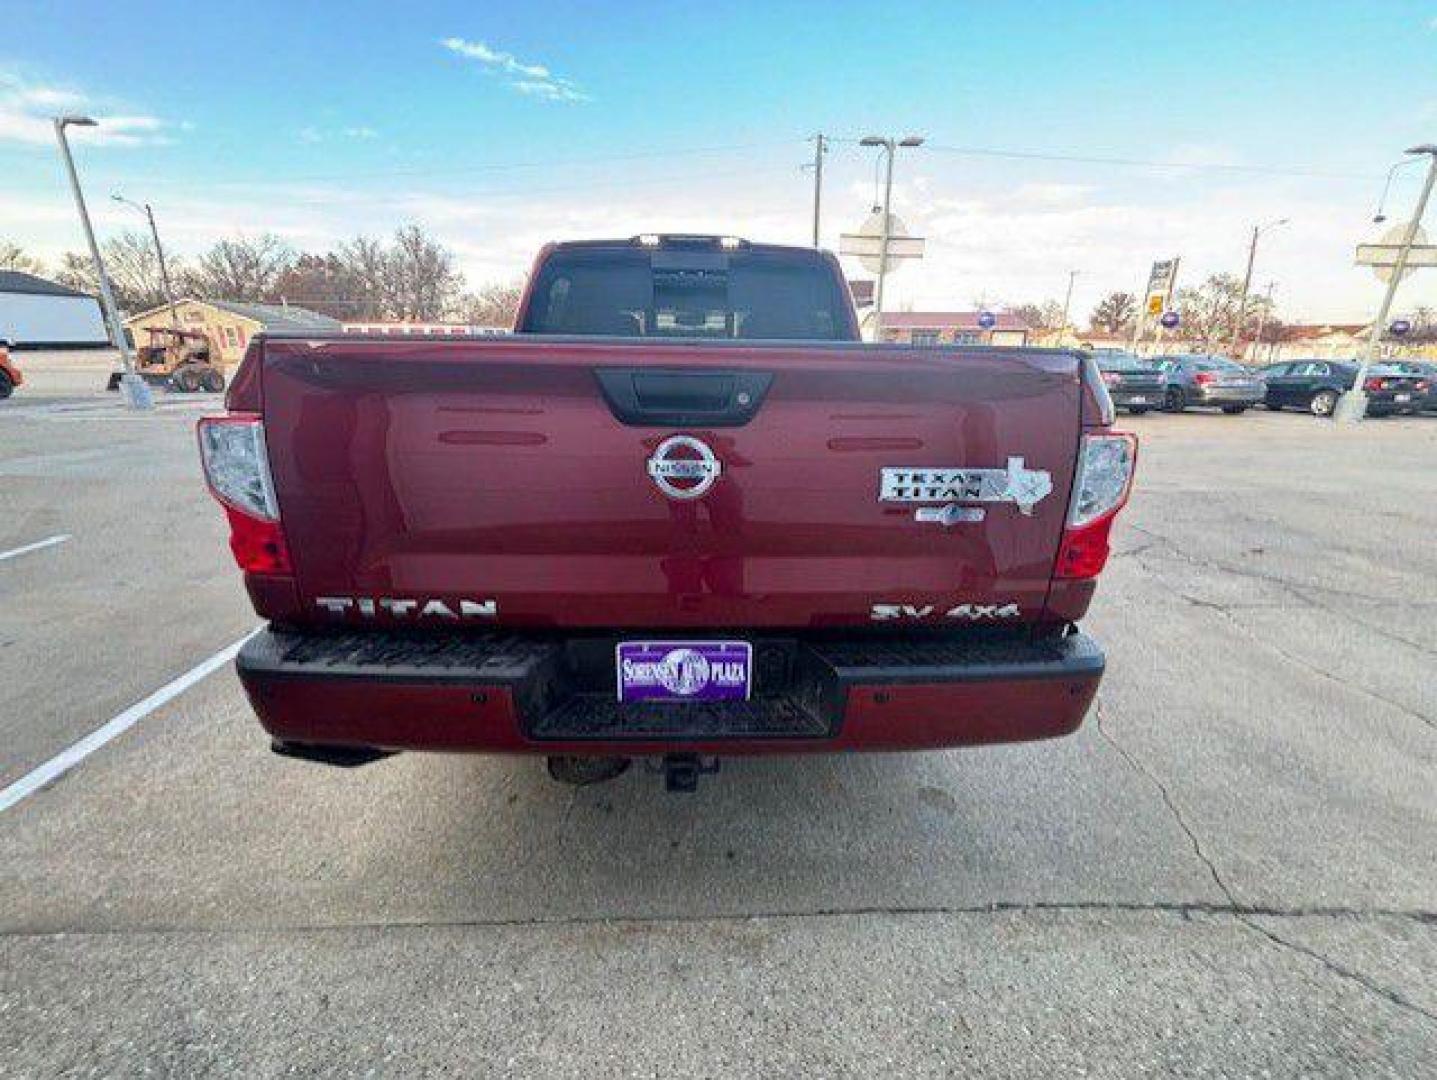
682,771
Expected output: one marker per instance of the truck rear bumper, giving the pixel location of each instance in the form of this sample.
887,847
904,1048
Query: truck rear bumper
507,693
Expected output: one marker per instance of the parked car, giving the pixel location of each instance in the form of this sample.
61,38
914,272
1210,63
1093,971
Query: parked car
1212,381
1133,384
1425,370
1315,385
10,376
681,511
1398,390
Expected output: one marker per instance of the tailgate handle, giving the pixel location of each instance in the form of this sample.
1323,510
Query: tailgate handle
659,397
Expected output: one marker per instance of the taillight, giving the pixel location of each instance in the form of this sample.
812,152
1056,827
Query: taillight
1112,378
1204,378
1375,384
237,470
1101,484
1422,385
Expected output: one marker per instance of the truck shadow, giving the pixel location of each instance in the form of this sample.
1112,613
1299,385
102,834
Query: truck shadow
774,835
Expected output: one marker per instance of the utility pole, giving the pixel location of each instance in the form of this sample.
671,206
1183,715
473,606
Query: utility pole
133,388
1352,406
1257,230
160,254
890,147
1067,302
820,147
1262,320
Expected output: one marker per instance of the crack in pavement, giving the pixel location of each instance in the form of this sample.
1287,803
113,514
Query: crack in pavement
1237,909
1308,665
1296,589
1226,611
1186,909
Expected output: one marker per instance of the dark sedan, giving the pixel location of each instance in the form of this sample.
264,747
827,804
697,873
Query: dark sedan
1210,380
1133,384
1315,385
1426,371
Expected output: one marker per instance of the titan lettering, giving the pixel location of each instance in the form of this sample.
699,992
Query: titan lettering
399,607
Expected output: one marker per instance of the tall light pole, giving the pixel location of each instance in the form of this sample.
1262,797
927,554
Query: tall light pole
1352,406
820,147
159,252
1262,320
890,147
1257,230
1067,302
136,393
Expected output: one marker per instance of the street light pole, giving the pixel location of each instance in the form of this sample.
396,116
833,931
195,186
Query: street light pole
1257,230
887,239
1352,406
1262,319
1067,301
819,149
160,254
890,147
136,393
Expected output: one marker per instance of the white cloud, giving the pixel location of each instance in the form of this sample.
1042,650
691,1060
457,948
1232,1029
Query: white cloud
311,134
531,80
1010,235
26,109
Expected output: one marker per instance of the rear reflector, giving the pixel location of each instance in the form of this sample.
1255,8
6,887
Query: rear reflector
1101,485
258,546
236,466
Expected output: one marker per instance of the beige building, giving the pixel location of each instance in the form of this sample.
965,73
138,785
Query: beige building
948,328
229,325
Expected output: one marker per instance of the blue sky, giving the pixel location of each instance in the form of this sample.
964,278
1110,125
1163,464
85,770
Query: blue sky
500,126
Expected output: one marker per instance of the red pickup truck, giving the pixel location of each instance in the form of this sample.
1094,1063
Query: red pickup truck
681,512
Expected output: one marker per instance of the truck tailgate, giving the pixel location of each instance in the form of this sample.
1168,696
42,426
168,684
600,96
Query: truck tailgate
497,471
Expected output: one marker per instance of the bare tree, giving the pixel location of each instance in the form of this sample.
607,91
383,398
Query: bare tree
1424,326
1114,312
1045,316
495,304
245,268
77,272
134,269
1209,311
324,283
422,279
14,257
366,265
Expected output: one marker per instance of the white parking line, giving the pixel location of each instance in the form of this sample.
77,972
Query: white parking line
67,759
49,541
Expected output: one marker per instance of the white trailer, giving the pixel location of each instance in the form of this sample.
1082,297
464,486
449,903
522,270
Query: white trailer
35,313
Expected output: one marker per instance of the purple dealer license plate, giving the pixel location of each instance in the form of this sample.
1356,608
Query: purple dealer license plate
684,670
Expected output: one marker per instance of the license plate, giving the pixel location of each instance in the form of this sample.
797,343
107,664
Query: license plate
1138,399
684,670
1402,398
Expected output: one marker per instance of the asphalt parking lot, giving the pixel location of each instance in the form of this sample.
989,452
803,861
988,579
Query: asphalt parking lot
1230,870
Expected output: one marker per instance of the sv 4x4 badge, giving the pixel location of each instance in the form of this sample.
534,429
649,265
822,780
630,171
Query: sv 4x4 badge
959,613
